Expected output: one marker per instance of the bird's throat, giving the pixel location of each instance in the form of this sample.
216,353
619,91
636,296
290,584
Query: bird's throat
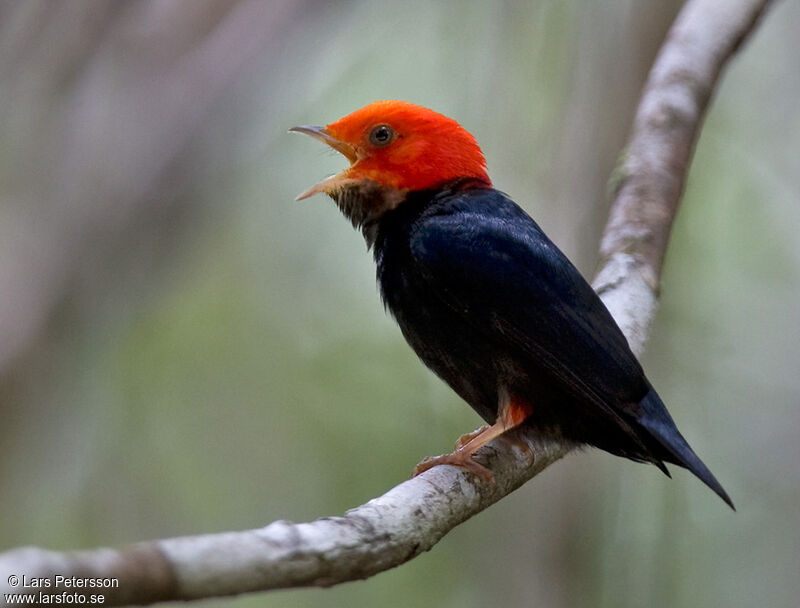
365,203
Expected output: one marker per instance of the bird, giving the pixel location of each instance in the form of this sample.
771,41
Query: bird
486,300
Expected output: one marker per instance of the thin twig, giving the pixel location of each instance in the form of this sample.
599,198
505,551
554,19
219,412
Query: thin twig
412,517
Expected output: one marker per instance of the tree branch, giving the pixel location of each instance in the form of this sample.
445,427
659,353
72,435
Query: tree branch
652,173
412,517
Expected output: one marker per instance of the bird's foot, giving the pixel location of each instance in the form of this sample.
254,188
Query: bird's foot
511,415
467,437
458,458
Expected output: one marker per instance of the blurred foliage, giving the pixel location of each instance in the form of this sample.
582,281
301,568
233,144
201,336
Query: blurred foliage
187,350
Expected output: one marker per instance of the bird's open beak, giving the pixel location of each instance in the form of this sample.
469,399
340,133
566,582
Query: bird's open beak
347,150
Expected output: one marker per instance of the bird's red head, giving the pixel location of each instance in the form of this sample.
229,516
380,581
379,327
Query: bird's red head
399,146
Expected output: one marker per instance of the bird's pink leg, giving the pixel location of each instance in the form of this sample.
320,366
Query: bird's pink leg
512,414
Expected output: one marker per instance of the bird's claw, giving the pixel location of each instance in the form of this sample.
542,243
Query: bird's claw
458,459
467,437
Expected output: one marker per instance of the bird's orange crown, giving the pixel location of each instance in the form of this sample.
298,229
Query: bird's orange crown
399,145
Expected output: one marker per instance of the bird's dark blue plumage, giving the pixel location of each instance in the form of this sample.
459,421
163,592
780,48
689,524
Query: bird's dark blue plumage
492,306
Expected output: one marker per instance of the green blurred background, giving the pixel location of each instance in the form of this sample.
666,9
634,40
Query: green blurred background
184,349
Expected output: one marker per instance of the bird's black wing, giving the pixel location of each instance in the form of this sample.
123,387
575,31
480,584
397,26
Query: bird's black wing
491,264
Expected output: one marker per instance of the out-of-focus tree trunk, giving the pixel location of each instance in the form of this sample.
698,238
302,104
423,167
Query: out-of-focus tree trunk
99,103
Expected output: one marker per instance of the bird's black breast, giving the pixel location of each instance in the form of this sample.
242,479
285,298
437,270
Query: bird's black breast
443,341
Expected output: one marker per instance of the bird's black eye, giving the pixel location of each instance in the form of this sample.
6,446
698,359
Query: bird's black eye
382,135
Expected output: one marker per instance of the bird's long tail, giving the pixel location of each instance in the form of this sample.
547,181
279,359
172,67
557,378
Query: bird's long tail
660,426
